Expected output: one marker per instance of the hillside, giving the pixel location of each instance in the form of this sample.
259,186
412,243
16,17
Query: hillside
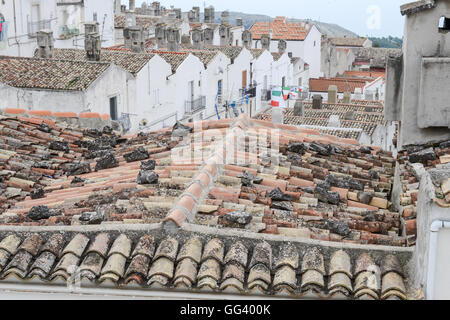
331,30
389,42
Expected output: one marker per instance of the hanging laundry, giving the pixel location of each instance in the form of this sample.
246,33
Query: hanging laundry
277,98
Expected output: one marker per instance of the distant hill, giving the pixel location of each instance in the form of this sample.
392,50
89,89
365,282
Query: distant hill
389,42
331,30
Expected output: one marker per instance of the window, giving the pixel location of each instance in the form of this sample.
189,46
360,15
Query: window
283,81
219,92
300,82
314,43
113,108
237,43
444,24
95,16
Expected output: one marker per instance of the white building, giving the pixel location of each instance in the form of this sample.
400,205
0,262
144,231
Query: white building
146,85
71,17
300,73
185,88
262,65
20,21
63,86
303,40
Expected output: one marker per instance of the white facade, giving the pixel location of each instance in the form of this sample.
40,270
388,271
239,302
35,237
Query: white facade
309,50
96,98
186,84
215,72
22,19
238,75
236,33
71,17
262,76
300,76
149,97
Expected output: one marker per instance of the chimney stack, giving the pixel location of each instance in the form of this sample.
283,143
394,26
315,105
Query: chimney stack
224,32
299,110
160,33
265,42
130,19
194,14
45,43
91,27
282,45
317,101
208,36
157,8
332,94
239,22
117,7
93,46
210,14
173,39
198,39
132,5
137,39
247,39
278,115
347,97
177,13
334,121
225,15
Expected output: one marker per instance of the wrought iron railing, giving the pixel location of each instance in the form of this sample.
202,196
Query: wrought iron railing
68,31
35,27
195,105
250,92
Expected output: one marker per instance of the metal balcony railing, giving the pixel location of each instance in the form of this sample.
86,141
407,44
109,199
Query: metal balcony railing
196,105
250,92
68,31
35,27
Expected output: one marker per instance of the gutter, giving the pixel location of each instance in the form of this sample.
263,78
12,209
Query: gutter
436,226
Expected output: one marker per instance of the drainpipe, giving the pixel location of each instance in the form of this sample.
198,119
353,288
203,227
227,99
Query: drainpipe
15,27
436,226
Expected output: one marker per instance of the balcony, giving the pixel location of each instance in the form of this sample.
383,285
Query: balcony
250,92
196,105
35,27
67,32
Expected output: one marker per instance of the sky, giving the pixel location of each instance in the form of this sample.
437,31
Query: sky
376,18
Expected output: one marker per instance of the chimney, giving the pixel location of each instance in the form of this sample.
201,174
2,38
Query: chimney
210,15
160,34
332,94
224,32
334,121
137,39
347,97
91,27
299,110
172,15
45,43
196,11
247,39
225,15
239,22
208,36
173,39
278,115
132,5
350,115
265,42
317,101
177,13
93,46
191,16
130,19
198,39
157,8
117,7
282,45
358,93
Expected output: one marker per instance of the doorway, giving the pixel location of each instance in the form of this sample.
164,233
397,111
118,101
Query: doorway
113,108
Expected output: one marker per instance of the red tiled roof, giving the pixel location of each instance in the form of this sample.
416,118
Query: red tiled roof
343,84
280,29
364,74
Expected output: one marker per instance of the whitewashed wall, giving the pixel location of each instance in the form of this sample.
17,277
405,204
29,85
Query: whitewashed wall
262,69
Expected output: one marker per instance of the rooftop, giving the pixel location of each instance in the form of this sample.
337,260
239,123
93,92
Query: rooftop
343,84
131,62
280,29
348,42
309,216
52,74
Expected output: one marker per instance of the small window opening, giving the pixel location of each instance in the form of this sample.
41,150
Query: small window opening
444,24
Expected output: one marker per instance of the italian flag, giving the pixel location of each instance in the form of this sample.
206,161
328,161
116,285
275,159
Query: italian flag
286,91
277,98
